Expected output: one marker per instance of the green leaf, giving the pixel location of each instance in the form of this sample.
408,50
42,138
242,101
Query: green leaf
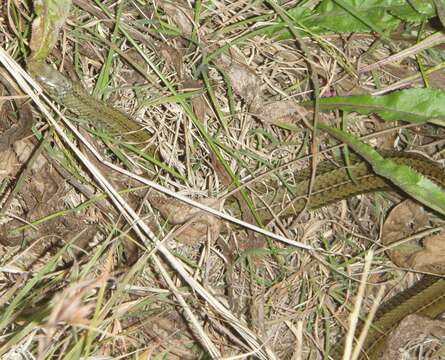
414,184
354,16
423,7
348,15
51,16
412,105
411,14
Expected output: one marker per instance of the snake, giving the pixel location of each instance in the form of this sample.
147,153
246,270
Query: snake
332,183
73,96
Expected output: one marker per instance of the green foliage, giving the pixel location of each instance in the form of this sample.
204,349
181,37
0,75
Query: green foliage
355,16
412,105
423,7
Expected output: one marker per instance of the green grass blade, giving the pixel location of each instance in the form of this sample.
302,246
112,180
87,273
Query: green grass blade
412,105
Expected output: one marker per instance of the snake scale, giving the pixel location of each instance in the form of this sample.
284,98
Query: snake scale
426,297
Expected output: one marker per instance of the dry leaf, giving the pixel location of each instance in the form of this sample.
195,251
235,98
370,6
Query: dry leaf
180,16
403,220
200,107
199,103
243,79
199,223
44,195
432,257
177,212
198,231
16,118
173,58
8,162
413,328
284,110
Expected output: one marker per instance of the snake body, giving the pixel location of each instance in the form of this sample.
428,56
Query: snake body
332,183
73,96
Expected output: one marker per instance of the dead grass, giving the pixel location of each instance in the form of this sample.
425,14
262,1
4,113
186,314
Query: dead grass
237,294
